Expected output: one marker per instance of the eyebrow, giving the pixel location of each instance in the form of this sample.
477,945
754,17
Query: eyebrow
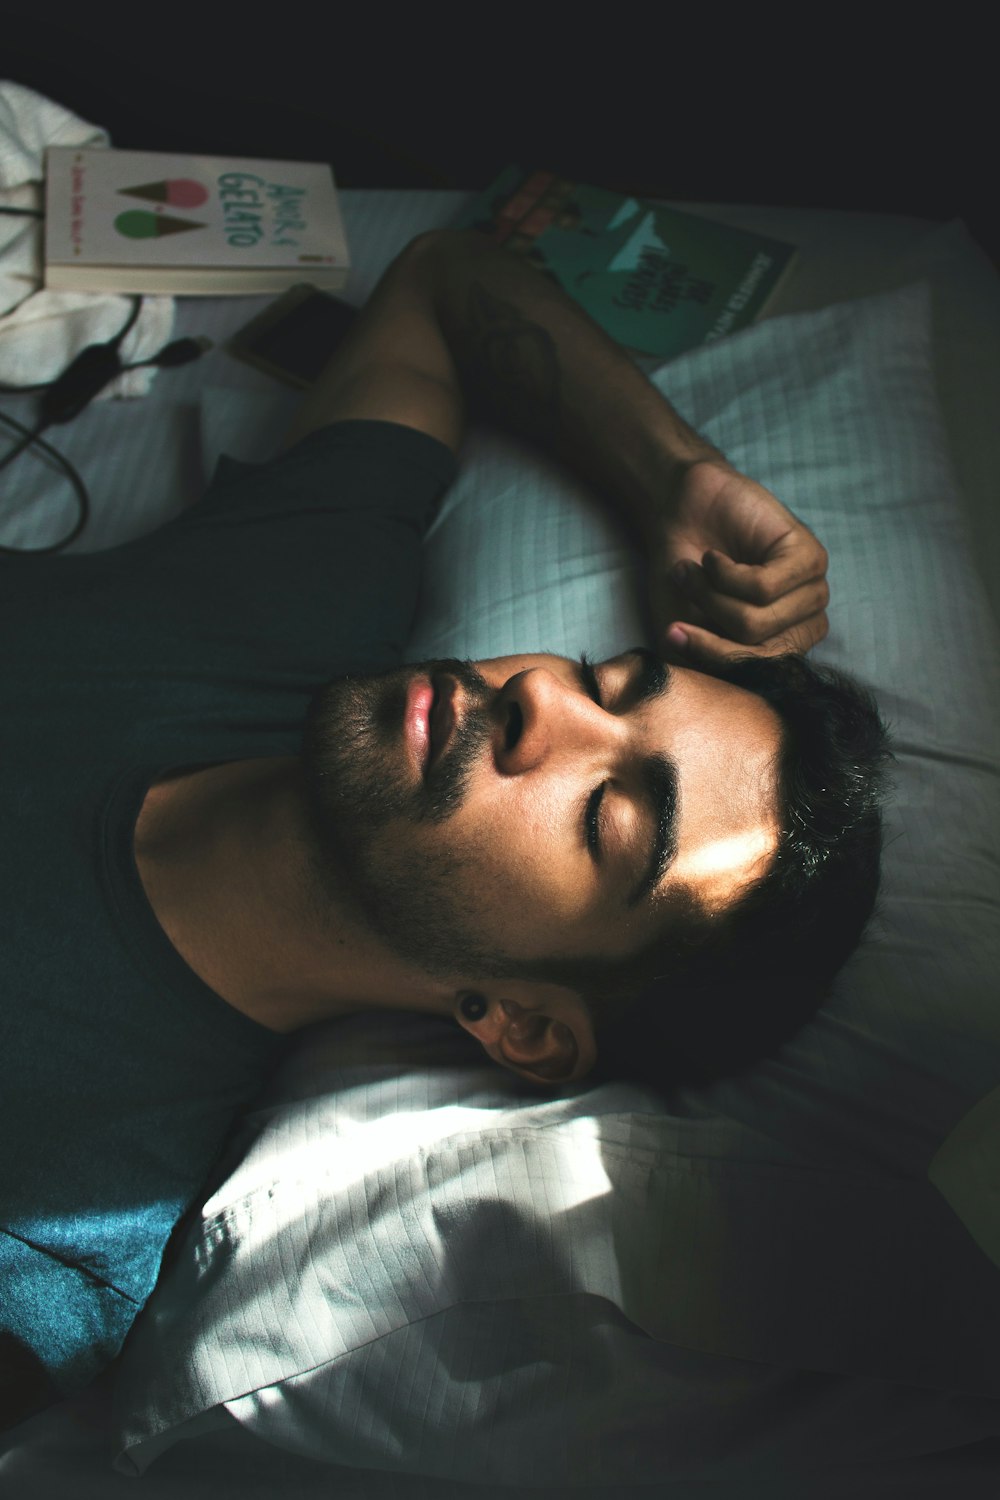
653,678
659,776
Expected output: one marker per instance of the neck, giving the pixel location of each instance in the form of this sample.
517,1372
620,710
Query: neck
224,857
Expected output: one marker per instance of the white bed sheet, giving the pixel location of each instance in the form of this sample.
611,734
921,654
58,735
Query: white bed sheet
155,450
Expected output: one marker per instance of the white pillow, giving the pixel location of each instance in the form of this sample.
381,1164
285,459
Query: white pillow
412,1265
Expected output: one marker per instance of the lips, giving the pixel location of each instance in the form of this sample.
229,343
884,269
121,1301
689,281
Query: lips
417,720
442,718
429,718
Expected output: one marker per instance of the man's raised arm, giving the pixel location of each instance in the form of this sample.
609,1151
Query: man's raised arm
457,324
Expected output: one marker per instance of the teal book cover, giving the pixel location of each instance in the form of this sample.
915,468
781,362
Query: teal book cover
659,280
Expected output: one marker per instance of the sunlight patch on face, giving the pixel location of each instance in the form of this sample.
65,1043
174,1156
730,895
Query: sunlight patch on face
718,869
734,855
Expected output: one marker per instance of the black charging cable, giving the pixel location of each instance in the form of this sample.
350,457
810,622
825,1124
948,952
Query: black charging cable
65,398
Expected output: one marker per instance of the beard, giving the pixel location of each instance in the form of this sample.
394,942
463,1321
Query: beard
365,808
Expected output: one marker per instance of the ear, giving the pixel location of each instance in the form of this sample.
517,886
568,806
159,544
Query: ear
542,1032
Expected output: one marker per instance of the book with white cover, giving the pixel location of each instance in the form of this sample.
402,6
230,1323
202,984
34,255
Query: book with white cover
143,221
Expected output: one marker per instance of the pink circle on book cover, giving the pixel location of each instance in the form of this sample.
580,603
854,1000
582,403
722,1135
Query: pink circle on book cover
184,192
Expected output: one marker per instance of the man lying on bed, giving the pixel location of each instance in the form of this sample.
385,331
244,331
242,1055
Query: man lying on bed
630,866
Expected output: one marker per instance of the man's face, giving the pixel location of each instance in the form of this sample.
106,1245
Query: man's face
534,808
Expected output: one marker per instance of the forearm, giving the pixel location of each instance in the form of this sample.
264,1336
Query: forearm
531,358
457,323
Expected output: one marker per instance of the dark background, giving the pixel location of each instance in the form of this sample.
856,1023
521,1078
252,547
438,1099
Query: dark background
812,109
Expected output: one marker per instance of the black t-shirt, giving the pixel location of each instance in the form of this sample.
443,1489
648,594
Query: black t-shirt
121,1073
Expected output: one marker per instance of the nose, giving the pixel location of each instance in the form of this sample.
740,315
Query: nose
547,719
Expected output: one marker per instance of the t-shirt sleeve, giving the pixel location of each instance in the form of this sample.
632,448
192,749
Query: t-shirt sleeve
310,562
380,468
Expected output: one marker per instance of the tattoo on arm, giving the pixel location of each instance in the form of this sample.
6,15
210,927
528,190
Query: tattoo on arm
513,363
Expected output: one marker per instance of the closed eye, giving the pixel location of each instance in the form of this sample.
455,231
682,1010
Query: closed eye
651,680
591,820
588,679
592,689
591,686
